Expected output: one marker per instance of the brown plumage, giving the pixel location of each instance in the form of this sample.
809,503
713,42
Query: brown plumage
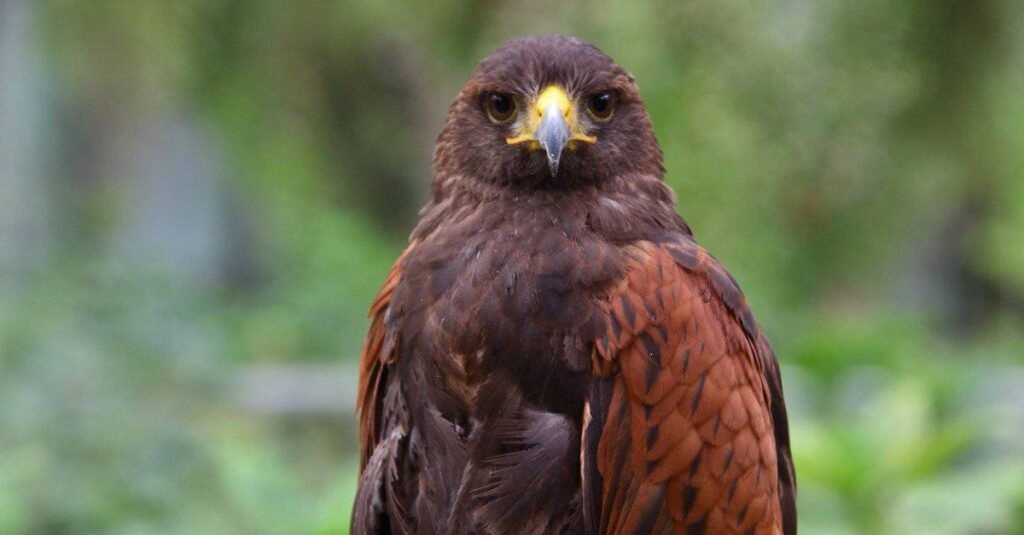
553,352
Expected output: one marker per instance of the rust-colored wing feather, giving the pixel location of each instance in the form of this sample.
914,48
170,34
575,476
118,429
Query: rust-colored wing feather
684,428
378,352
382,419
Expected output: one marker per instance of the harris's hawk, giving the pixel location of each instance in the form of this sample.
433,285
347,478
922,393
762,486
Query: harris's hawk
553,352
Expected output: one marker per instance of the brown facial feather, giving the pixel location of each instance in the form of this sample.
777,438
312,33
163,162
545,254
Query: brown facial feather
471,147
556,354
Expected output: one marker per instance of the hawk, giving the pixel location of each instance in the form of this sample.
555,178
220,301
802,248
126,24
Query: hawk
553,352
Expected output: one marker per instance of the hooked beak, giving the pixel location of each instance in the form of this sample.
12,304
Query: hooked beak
551,125
553,134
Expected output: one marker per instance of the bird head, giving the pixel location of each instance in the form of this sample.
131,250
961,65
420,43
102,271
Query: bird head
547,112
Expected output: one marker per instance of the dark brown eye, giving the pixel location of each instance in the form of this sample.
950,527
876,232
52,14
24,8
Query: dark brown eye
500,107
601,105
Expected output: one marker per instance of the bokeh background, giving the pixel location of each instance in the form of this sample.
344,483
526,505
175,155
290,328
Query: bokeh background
199,198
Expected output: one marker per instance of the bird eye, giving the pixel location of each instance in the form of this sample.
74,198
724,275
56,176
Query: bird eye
601,106
500,107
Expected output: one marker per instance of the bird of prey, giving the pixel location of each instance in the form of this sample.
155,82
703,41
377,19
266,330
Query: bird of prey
553,352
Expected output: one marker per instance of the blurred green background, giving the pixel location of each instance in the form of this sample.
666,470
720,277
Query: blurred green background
198,200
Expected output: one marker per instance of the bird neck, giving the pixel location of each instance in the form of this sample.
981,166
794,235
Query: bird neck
621,209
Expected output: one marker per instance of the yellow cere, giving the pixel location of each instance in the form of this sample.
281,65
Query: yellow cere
552,94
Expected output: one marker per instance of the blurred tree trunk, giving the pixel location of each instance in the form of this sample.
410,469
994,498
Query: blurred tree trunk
26,228
962,45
